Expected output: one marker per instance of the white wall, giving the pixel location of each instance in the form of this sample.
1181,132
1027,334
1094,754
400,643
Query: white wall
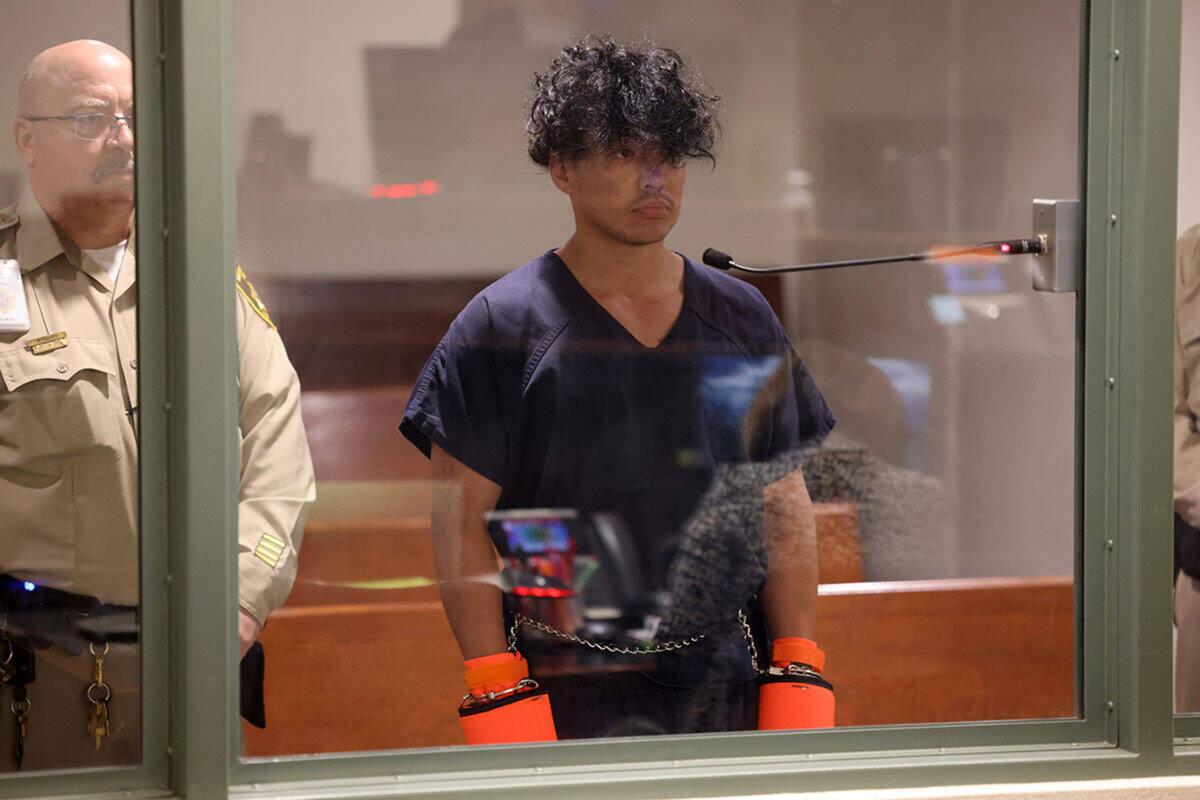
26,28
1189,118
325,96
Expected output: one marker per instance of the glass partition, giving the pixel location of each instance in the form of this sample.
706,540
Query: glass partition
1187,393
70,659
638,486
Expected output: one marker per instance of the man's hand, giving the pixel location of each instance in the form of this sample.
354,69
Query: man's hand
248,630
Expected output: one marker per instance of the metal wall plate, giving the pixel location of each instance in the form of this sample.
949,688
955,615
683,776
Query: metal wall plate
1057,225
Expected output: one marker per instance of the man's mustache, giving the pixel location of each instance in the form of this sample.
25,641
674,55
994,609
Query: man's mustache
113,164
656,198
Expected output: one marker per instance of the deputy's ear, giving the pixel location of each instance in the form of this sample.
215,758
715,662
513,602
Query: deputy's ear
561,172
23,138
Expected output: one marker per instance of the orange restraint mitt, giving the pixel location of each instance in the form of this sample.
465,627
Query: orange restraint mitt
502,705
793,695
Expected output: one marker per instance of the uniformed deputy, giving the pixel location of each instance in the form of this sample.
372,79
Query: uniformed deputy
1187,471
68,428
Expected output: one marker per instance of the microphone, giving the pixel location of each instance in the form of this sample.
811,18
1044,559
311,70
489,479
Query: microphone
715,258
1005,247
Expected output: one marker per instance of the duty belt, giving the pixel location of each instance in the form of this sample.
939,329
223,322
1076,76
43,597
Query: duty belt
49,617
41,616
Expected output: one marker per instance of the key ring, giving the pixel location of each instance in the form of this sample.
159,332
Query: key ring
92,650
25,704
107,693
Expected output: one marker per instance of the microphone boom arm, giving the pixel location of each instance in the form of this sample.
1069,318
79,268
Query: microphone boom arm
1009,247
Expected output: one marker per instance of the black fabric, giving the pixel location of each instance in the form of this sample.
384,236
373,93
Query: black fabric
110,625
630,704
1187,548
253,672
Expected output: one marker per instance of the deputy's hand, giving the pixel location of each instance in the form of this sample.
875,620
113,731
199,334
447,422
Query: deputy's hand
248,630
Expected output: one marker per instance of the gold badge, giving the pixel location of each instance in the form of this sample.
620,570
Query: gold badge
270,549
48,344
246,289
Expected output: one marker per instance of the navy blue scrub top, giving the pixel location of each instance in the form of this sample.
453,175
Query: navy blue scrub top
539,389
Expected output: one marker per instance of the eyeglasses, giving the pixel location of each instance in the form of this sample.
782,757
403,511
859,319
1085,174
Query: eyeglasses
89,126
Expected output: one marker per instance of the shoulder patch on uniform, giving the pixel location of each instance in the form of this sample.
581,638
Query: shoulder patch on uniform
246,289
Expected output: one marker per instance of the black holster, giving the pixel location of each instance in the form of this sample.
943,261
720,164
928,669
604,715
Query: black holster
252,671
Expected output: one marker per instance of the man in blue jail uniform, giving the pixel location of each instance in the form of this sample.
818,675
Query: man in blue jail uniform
620,380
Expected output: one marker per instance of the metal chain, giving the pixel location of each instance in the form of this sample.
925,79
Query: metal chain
791,670
750,645
665,647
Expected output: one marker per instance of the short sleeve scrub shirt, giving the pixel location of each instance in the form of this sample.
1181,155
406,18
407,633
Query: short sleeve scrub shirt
537,388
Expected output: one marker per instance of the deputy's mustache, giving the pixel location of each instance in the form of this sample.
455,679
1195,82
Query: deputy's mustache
113,164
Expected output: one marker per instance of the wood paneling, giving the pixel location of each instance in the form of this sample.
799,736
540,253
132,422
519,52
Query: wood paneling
950,651
350,561
351,666
356,334
387,674
354,435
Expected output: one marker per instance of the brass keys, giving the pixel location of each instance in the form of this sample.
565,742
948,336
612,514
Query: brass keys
20,674
21,707
98,723
98,694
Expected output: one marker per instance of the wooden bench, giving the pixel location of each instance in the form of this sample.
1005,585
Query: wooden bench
382,675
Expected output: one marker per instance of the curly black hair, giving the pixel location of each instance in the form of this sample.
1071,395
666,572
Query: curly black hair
600,94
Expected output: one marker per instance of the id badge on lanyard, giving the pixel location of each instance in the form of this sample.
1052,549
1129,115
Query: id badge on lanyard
14,312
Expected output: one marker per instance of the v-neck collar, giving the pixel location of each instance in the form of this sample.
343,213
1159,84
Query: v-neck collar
595,304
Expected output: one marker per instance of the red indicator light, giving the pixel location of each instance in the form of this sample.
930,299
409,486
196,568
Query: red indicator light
535,591
1006,248
404,191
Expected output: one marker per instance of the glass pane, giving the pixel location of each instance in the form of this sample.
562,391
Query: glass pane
1187,390
69,657
631,457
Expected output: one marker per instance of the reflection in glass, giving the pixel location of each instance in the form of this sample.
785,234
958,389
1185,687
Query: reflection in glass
373,220
1187,387
69,658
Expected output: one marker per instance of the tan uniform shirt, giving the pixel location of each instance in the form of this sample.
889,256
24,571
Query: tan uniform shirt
68,430
1187,376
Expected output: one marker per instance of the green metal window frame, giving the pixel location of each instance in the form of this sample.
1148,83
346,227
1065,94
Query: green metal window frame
152,778
186,222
